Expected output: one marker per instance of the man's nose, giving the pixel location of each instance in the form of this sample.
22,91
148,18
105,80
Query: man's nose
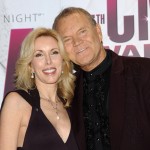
77,41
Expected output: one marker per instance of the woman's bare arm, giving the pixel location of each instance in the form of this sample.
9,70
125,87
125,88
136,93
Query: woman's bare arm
10,120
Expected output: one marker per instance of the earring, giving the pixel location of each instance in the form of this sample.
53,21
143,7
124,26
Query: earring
62,72
32,75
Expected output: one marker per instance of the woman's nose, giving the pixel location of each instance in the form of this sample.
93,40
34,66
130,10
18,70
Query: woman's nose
48,60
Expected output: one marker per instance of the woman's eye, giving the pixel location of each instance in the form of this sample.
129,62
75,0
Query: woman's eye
55,52
38,55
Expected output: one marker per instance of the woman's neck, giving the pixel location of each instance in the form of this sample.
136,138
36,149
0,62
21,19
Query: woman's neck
48,91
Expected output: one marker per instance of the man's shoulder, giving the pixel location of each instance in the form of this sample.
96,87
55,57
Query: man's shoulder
136,65
132,64
135,60
129,59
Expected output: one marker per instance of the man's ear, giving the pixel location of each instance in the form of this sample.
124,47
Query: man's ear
99,31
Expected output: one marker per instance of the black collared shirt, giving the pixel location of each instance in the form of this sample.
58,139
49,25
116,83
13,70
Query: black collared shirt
95,106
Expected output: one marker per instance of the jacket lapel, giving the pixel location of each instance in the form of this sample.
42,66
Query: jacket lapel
77,112
116,101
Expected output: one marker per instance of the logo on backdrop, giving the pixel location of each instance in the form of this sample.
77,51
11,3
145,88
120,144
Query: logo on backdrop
22,18
142,22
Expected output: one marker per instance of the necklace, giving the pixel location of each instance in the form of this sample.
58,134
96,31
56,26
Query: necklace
54,107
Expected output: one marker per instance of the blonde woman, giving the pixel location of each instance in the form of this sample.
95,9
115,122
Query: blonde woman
36,115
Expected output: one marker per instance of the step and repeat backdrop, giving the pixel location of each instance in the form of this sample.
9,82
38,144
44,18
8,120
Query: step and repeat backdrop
125,26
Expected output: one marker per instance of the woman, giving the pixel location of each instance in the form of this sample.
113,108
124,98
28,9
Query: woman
36,115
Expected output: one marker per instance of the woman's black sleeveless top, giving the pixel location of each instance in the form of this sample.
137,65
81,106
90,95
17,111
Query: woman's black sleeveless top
41,134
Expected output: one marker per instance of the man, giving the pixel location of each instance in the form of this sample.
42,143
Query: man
111,107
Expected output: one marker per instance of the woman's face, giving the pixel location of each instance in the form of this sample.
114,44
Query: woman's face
47,61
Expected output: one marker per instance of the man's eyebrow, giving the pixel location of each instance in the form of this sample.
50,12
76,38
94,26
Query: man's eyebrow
77,31
82,28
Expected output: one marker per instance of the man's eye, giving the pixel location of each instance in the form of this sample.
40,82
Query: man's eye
83,31
67,40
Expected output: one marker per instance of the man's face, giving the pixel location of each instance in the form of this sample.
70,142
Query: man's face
82,40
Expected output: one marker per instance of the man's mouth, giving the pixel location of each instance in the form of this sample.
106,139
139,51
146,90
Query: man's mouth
81,50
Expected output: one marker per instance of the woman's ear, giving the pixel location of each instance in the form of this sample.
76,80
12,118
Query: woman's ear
31,68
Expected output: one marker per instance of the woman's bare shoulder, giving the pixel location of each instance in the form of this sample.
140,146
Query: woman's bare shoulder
14,101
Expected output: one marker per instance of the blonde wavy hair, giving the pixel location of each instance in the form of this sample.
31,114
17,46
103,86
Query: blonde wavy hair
23,65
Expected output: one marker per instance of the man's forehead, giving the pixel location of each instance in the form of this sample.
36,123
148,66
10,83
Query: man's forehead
75,15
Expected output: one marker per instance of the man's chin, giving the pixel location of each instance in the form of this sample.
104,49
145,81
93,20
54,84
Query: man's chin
85,66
